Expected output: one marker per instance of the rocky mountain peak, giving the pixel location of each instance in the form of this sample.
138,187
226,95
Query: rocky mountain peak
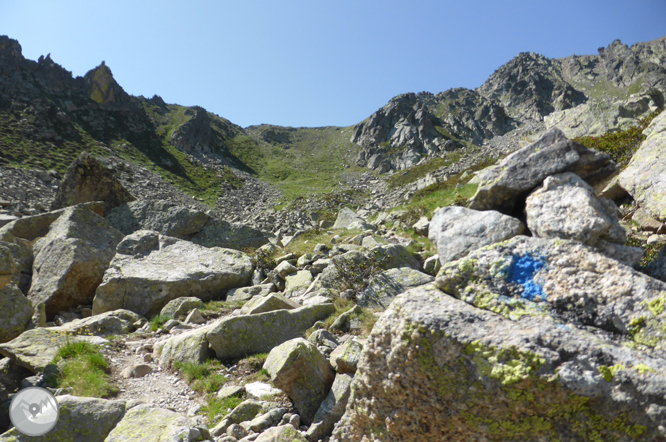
197,135
103,87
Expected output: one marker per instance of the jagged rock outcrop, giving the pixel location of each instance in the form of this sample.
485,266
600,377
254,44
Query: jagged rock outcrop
86,180
196,135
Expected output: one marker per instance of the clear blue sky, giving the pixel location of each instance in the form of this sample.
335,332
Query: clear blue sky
313,62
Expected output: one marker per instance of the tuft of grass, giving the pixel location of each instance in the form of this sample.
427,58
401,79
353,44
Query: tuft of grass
204,378
85,370
219,407
416,172
221,306
156,322
620,145
366,316
651,251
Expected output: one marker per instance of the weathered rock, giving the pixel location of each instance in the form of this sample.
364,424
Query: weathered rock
566,207
247,293
432,265
35,349
344,359
21,251
181,306
299,369
220,233
564,279
261,390
160,216
266,420
526,379
283,433
645,221
190,346
195,317
268,303
230,391
324,337
238,336
71,260
285,268
146,283
348,219
384,287
296,284
76,415
147,423
245,411
136,371
87,180
332,409
456,230
7,265
114,322
421,226
523,170
15,312
645,176
627,255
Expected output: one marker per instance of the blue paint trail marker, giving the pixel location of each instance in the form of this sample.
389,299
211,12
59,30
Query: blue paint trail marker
522,271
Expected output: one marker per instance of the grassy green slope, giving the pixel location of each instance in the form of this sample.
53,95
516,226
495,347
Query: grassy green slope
312,161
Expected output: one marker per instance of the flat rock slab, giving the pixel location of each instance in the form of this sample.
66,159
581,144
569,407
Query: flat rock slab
240,336
145,282
487,377
523,170
247,293
565,206
268,303
146,423
645,176
383,288
332,409
456,230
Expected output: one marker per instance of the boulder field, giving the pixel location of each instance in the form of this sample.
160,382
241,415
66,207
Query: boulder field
535,320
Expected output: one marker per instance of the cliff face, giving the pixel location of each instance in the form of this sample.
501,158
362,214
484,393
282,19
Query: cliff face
582,95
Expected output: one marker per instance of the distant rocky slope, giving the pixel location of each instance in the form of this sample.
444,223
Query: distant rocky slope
581,95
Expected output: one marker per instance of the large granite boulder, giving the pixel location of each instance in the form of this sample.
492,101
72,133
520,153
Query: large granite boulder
33,227
161,216
71,259
298,368
566,207
563,279
645,176
86,180
81,419
502,185
238,336
438,368
15,312
20,251
456,230
384,287
145,280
